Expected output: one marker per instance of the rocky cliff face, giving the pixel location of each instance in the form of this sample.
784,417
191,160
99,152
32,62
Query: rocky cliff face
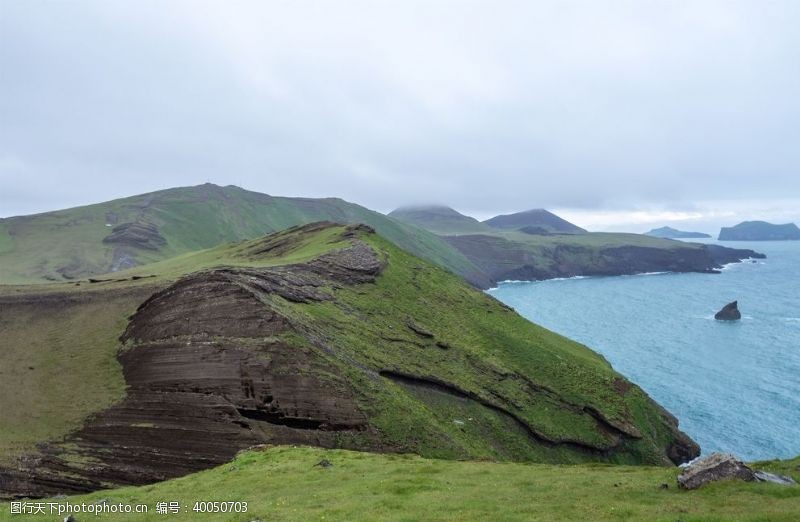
335,352
505,260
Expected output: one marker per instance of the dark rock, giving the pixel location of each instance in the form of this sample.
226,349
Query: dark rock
664,485
729,312
139,235
764,476
717,466
324,463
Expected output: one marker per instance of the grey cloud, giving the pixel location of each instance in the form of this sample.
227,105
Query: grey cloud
486,106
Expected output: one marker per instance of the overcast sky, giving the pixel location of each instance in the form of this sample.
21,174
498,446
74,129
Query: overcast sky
619,114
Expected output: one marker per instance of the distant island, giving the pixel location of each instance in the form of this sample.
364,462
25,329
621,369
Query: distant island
760,231
673,233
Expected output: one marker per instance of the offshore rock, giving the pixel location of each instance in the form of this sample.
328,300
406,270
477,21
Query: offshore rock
729,312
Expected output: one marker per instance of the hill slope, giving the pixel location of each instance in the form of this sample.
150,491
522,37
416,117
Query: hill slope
440,220
532,220
323,335
759,231
112,236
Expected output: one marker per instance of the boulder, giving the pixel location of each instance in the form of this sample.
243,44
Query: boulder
717,466
729,312
763,476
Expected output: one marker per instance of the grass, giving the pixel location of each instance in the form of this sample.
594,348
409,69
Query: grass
58,364
284,483
489,341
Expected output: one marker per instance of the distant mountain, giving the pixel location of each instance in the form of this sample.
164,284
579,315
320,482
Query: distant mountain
534,220
439,219
760,231
672,233
115,235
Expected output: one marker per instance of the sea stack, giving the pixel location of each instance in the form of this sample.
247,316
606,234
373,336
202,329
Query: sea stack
729,312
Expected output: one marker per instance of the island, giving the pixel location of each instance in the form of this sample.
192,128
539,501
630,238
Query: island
760,231
673,233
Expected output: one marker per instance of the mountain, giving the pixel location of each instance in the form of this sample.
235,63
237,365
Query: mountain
672,233
759,231
440,220
115,235
534,220
323,335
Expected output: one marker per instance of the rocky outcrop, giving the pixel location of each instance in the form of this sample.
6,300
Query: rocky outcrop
723,466
717,466
141,235
729,312
774,478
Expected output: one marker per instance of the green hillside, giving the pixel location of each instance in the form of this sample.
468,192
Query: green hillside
322,334
537,221
105,237
440,220
287,483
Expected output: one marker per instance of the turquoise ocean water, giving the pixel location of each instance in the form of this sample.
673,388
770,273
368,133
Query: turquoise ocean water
735,387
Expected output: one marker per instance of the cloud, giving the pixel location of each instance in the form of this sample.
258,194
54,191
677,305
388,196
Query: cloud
622,106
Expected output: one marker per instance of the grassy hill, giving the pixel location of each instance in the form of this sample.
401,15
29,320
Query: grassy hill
286,483
112,236
322,334
440,220
536,221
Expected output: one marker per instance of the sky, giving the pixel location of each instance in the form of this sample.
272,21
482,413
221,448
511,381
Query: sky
619,115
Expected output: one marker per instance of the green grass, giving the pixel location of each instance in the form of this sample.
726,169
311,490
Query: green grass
283,483
443,221
58,363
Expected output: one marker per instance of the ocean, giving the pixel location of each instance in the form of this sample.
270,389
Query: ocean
735,387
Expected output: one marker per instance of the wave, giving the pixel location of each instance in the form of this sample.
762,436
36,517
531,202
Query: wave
746,261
